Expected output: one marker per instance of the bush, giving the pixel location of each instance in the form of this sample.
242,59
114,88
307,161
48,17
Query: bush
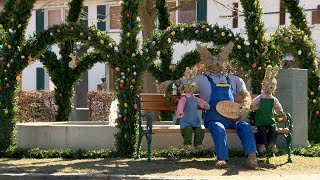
99,104
310,151
39,106
172,152
36,106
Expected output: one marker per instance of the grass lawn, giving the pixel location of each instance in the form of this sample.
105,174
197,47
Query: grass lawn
162,166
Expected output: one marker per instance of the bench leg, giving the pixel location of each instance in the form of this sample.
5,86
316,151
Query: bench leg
149,134
289,145
149,139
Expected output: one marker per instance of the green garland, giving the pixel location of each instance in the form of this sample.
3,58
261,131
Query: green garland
61,74
128,78
14,20
297,16
163,14
257,51
181,33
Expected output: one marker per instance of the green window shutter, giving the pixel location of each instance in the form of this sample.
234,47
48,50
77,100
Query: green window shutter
85,16
39,20
40,78
101,16
202,10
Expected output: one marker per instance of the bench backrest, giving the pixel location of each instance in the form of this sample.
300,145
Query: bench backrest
154,101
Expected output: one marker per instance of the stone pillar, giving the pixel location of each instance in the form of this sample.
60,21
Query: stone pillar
292,94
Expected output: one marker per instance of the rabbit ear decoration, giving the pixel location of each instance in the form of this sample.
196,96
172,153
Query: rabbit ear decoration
274,71
268,72
224,54
190,74
205,55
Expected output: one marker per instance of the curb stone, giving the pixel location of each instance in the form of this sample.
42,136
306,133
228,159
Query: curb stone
82,176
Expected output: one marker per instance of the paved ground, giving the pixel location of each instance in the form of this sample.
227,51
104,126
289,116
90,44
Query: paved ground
56,176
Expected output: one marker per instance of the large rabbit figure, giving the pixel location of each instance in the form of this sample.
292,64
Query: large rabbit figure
187,113
265,105
215,86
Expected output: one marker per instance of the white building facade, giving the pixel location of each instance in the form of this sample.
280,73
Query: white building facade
105,14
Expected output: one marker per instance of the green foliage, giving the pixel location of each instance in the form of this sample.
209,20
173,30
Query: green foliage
14,19
128,78
63,153
310,151
184,33
297,15
257,51
163,14
62,75
171,152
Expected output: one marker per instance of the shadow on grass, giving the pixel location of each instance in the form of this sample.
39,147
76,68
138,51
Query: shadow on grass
127,166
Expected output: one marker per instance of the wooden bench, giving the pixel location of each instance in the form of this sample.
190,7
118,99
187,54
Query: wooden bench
151,101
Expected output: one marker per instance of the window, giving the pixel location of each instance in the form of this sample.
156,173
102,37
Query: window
235,15
315,17
172,13
40,78
187,14
201,10
282,13
84,16
115,17
101,15
39,20
54,17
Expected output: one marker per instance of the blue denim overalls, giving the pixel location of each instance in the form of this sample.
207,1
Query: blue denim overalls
190,117
217,123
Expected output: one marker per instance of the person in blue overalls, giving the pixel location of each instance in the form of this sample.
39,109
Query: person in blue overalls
215,86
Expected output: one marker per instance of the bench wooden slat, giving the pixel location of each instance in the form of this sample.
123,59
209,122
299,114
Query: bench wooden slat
156,106
173,129
146,97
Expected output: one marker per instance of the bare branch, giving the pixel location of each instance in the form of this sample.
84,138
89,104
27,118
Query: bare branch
186,4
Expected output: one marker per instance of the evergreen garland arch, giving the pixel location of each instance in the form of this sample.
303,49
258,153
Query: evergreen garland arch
181,33
62,75
70,32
